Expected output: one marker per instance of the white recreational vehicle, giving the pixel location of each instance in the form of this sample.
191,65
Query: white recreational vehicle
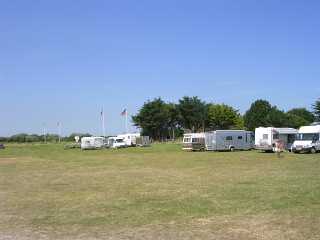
92,142
307,140
266,137
219,140
129,138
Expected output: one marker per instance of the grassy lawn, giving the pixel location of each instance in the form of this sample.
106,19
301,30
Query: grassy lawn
160,192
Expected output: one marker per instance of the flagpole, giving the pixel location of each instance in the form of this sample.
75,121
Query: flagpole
126,121
44,133
59,131
103,126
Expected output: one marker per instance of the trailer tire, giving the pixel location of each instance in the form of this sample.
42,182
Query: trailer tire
231,149
313,150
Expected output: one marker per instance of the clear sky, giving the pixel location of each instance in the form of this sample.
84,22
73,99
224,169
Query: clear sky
63,60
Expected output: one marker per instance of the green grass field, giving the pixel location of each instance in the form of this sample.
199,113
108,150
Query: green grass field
160,192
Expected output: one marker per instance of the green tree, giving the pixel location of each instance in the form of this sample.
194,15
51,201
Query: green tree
173,121
298,117
154,119
193,113
33,138
257,115
222,116
316,109
277,118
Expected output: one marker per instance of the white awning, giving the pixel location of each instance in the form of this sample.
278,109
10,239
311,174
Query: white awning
286,130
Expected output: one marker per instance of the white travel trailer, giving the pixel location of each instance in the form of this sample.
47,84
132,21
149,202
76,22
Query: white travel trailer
228,140
219,140
129,138
194,141
308,139
92,143
266,137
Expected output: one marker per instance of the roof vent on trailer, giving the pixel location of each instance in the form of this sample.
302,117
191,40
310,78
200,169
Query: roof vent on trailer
315,124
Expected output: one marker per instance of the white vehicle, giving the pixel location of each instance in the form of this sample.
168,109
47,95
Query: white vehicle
228,140
92,143
116,142
307,139
194,142
129,138
266,137
219,140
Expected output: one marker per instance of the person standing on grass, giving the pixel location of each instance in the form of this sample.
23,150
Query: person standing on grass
279,147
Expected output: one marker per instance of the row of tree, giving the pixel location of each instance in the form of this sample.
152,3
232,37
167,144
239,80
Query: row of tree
161,120
28,138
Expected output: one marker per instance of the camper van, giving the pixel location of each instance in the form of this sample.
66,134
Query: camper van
129,138
194,142
92,143
229,140
266,137
307,140
219,140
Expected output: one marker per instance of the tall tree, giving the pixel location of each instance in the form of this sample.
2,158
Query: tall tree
193,113
277,118
298,117
257,115
154,119
316,109
222,116
173,121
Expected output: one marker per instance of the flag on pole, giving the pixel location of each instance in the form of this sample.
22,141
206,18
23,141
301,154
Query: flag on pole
102,121
124,112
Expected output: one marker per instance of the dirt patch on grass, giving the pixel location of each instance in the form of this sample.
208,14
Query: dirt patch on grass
8,160
219,228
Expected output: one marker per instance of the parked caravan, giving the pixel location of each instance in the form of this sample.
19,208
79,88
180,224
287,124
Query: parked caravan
143,141
92,142
307,140
228,140
219,140
266,137
194,142
116,142
129,138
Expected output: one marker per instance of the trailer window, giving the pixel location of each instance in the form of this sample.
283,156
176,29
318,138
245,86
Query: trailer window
229,138
239,137
186,140
265,136
196,140
275,136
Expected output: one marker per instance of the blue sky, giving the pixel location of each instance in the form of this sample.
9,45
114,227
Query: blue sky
63,60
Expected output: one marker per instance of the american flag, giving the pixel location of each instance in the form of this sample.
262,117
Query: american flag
124,112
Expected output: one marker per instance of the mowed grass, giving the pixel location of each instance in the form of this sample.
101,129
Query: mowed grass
160,191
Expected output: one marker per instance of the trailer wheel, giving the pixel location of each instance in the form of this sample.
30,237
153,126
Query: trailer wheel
231,149
313,150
